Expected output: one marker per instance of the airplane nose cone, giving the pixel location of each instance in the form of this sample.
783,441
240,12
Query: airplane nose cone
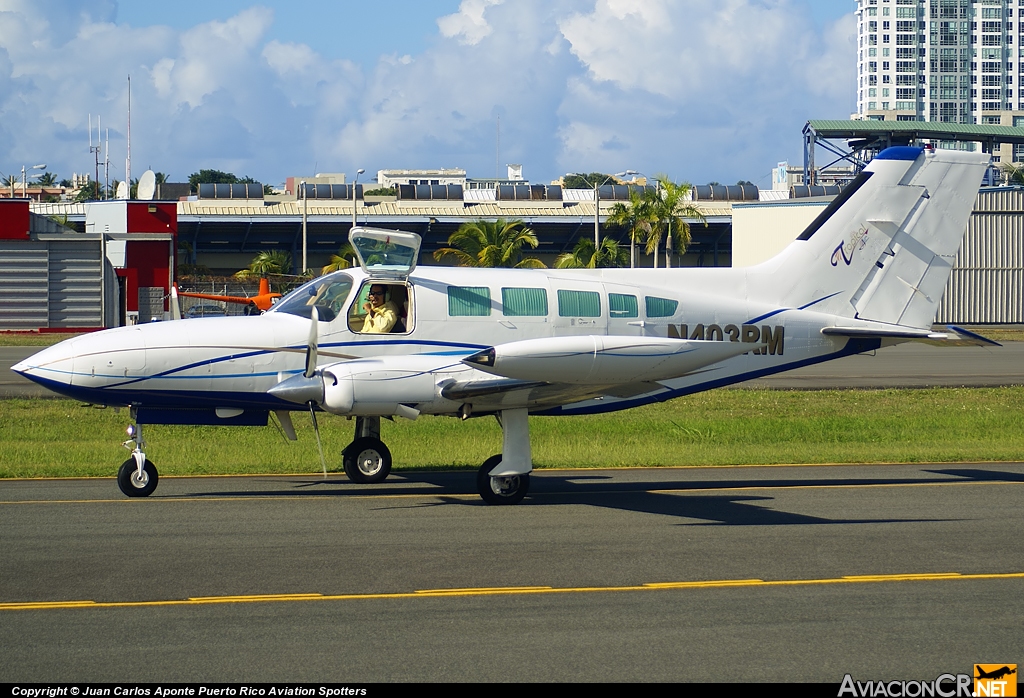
300,390
53,364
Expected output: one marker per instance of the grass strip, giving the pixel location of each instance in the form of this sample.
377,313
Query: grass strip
65,438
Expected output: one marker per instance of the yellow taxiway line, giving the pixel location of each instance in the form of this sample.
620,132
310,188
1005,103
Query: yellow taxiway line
509,591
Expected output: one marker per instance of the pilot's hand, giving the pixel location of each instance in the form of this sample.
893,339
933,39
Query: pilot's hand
367,307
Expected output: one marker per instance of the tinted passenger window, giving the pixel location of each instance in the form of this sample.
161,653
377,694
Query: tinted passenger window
622,305
464,301
579,304
660,307
524,301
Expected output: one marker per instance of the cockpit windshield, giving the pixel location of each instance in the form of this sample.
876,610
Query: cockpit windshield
327,294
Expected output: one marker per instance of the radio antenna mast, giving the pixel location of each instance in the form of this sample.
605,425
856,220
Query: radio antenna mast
128,162
106,167
94,150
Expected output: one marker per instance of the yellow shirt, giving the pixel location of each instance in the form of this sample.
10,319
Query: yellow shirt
381,319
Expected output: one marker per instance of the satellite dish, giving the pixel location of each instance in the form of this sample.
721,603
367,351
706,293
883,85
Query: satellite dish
147,186
122,190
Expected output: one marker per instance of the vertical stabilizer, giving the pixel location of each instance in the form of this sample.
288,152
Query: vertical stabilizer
883,250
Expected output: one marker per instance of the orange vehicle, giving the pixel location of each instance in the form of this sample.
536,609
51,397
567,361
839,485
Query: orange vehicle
261,302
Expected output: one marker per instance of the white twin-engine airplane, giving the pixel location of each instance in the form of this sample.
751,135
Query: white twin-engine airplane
868,272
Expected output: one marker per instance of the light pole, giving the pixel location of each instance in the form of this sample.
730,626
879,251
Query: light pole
358,172
303,185
24,179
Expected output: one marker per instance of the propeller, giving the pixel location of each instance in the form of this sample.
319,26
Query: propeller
309,387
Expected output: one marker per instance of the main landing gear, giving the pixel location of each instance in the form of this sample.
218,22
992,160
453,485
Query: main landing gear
137,476
505,478
367,460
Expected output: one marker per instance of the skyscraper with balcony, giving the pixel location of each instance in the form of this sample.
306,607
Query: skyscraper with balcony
956,61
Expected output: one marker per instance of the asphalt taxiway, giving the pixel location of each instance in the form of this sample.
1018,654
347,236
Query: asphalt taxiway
775,573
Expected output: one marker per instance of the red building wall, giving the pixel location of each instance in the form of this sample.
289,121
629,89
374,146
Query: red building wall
152,217
14,219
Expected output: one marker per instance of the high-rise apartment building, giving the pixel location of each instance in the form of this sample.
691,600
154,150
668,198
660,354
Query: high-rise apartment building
959,61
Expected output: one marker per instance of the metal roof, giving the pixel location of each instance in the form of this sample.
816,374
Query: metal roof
915,130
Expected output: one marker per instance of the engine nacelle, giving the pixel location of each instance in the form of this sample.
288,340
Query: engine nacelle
595,360
374,388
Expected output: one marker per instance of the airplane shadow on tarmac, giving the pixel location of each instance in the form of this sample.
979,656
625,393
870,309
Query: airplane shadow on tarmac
651,497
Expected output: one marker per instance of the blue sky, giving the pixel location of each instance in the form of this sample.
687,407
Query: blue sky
697,89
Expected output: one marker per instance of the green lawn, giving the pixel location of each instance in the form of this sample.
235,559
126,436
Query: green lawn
64,438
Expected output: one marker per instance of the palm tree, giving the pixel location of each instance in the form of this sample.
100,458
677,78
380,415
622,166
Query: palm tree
1013,172
497,243
266,263
609,254
670,208
47,179
638,219
343,260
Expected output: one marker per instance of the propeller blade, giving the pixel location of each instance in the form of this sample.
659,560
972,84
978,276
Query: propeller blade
175,306
316,430
311,344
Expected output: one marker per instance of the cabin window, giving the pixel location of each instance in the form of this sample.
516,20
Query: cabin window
622,305
522,302
660,307
579,303
392,309
327,294
474,301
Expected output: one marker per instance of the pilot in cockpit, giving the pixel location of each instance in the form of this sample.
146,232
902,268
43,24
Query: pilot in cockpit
381,312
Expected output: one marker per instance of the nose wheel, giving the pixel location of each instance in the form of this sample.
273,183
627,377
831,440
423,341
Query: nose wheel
137,476
134,482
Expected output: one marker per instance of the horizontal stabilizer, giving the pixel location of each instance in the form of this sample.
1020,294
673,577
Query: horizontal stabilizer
599,360
954,337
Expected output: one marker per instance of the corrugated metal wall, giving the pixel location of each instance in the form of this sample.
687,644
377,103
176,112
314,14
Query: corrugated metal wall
23,290
987,282
50,283
75,298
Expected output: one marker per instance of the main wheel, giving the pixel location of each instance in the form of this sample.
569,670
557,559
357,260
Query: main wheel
367,460
501,490
132,484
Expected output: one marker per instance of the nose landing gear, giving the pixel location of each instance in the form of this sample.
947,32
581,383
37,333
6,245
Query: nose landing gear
137,476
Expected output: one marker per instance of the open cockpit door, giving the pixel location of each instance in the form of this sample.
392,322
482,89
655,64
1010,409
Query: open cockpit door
386,254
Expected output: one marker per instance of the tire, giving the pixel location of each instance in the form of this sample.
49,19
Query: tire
367,460
132,487
500,490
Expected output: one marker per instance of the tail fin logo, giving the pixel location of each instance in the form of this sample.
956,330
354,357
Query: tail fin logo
844,251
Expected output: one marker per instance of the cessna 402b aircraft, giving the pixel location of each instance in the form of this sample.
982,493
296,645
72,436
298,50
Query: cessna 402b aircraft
868,272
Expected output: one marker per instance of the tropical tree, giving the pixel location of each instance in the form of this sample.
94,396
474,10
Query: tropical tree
90,192
266,263
499,243
47,179
670,207
637,217
579,180
583,256
1013,172
343,260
